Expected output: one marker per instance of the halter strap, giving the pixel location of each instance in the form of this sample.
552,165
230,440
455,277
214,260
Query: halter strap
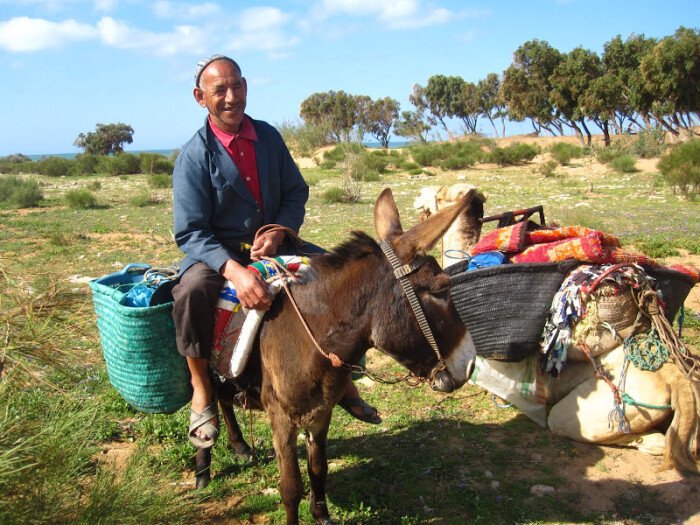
401,272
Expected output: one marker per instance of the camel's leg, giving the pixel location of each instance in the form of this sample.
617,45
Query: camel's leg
318,470
202,473
284,437
235,436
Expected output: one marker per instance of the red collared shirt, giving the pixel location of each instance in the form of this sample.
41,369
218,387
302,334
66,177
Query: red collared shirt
242,150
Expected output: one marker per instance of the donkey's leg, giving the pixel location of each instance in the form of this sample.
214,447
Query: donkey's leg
235,436
318,470
284,436
202,473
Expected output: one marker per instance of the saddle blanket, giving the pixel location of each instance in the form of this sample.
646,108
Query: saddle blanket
235,327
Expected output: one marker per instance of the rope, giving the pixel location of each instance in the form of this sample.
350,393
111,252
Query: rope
646,351
630,401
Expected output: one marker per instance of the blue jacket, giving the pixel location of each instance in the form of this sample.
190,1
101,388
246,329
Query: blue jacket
214,210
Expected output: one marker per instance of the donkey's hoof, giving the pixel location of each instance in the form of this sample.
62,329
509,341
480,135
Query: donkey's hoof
243,451
201,481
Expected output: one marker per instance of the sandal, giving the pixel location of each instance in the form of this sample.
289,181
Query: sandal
369,413
202,420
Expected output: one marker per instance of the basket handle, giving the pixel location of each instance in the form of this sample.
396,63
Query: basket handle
135,268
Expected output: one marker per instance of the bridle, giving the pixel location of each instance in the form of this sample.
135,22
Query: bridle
401,273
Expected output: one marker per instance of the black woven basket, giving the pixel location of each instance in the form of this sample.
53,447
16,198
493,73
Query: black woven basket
505,307
673,286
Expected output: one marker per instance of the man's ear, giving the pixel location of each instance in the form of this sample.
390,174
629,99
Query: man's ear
199,97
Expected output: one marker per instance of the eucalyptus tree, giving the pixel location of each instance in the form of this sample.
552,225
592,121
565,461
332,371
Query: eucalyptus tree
526,88
489,102
378,116
412,125
335,109
671,74
106,139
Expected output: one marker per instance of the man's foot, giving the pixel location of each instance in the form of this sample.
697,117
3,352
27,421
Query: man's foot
358,409
204,428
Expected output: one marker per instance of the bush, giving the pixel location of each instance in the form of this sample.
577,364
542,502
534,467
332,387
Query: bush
94,185
121,164
16,163
155,163
563,152
304,139
681,167
457,155
19,193
548,169
516,153
649,143
54,166
160,181
363,167
142,200
333,195
624,164
81,199
85,164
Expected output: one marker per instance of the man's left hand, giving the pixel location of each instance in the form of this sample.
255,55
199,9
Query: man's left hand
266,244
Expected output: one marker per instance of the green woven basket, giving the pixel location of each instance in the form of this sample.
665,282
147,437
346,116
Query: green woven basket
143,363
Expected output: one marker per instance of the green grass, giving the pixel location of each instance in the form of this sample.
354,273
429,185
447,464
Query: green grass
433,460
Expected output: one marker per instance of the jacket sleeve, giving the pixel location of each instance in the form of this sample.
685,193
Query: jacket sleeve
193,201
293,188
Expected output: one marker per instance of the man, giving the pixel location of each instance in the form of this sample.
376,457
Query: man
234,176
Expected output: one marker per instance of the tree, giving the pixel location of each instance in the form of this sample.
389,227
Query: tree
489,102
526,88
671,73
412,125
570,81
337,110
446,98
377,117
106,139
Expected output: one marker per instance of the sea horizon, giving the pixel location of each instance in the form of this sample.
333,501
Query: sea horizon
168,152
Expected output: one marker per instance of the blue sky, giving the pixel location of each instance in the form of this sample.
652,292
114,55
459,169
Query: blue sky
66,65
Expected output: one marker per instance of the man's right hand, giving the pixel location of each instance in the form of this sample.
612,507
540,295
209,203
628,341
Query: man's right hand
250,287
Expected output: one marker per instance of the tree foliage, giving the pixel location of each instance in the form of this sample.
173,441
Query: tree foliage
107,139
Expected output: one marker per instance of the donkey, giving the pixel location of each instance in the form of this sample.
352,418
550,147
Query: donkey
353,301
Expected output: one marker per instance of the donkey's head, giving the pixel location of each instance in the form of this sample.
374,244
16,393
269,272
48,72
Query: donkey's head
444,352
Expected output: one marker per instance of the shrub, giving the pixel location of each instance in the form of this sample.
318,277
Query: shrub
19,193
624,164
15,162
304,139
563,152
333,195
160,181
155,163
84,164
121,164
516,153
54,166
94,185
363,167
649,143
428,154
456,162
142,200
548,169
681,167
81,199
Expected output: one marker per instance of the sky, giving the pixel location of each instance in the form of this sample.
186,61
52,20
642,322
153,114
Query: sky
66,65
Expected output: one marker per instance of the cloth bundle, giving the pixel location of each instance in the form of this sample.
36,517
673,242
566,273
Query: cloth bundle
235,327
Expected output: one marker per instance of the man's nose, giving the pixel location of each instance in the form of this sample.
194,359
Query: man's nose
230,95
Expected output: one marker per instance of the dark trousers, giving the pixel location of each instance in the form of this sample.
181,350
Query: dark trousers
196,294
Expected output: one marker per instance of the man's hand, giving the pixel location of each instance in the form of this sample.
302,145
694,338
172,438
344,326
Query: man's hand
250,287
266,244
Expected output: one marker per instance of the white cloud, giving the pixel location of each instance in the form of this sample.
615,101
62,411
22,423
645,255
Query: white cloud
183,39
183,10
263,28
395,14
34,34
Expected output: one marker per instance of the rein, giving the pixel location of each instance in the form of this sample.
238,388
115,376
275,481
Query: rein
401,273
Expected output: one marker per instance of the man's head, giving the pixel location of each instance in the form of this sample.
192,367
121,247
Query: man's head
220,87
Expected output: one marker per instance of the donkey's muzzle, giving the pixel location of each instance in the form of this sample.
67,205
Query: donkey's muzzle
443,382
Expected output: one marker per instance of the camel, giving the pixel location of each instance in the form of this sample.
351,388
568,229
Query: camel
578,404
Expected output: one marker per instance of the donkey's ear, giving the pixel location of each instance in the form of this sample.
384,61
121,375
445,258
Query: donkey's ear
423,236
386,216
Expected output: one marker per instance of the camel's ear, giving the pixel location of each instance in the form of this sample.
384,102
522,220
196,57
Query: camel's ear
423,236
386,216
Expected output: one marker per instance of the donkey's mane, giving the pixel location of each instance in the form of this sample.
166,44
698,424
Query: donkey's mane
359,245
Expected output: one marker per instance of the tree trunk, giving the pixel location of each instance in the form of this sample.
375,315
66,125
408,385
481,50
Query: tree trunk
588,133
666,125
493,124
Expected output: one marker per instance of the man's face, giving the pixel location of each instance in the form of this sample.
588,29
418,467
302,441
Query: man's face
223,92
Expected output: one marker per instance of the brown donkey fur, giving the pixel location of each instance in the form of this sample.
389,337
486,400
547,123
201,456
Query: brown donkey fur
352,302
